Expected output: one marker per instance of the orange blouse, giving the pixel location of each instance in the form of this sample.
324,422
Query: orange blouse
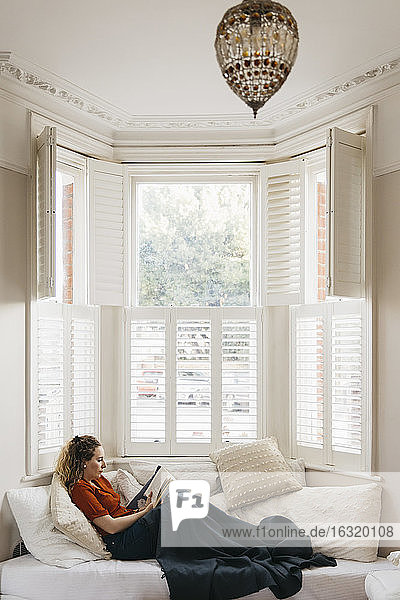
98,500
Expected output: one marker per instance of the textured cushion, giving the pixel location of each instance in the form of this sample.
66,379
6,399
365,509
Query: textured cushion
253,472
126,485
383,585
31,509
325,506
394,557
69,519
143,470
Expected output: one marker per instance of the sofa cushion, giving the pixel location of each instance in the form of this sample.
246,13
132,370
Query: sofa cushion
322,506
253,472
31,509
69,519
206,470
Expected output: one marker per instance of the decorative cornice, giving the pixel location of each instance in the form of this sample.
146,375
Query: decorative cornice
25,73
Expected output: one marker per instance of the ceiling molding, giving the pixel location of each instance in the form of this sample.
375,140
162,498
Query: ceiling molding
32,76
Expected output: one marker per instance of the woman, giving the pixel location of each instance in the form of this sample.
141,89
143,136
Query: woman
219,571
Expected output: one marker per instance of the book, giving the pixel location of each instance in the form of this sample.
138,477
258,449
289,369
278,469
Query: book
158,484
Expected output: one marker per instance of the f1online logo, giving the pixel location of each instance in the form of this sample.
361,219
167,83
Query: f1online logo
189,499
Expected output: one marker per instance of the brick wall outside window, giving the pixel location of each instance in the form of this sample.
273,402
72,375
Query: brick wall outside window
67,208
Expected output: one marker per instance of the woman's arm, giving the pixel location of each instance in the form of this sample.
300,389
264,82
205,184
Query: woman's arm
115,525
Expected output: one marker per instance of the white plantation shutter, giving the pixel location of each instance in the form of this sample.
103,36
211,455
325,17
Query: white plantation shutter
46,212
146,344
50,377
65,376
345,201
108,233
84,365
285,252
192,378
193,381
239,380
348,367
329,393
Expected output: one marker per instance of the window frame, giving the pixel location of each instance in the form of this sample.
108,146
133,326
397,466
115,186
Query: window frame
252,173
198,173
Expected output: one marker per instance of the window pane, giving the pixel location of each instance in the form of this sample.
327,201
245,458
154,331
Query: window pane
239,381
194,244
193,381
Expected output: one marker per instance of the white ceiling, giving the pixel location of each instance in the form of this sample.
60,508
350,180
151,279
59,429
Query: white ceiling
157,57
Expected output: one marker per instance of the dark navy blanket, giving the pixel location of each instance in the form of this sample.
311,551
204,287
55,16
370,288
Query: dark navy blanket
226,568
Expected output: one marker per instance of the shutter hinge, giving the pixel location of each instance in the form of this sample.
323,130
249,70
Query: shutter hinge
51,282
329,141
328,282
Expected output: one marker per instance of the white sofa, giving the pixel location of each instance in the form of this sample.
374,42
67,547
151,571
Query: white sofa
25,578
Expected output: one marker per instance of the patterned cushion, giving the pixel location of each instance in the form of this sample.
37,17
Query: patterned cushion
253,472
72,522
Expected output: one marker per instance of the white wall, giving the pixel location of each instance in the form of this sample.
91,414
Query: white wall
13,223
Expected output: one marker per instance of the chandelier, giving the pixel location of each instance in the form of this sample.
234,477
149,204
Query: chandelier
256,46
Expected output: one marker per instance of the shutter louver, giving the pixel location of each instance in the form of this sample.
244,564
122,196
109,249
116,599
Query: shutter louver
347,379
239,380
108,233
285,233
147,380
50,379
345,163
309,381
193,381
46,213
84,372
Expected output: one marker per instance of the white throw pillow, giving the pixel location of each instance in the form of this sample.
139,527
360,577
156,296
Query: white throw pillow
324,505
69,519
31,509
126,486
253,472
143,470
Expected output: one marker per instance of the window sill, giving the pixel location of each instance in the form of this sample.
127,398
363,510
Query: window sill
333,470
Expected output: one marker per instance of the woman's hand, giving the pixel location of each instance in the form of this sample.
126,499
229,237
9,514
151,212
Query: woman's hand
148,501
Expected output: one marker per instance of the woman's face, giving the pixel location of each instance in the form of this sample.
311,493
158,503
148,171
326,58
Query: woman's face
94,466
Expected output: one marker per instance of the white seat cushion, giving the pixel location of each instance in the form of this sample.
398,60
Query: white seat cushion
383,585
29,579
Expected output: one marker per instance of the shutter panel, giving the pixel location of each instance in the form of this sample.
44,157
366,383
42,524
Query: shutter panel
107,254
50,377
308,382
239,380
193,381
46,212
147,381
348,384
329,389
345,164
84,370
285,233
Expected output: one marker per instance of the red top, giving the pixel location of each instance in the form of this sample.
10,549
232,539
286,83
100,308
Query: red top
98,500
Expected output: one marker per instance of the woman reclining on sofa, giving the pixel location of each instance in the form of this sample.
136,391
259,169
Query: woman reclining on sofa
219,571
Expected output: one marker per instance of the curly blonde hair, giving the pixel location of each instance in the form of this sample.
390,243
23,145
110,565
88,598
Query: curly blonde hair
73,454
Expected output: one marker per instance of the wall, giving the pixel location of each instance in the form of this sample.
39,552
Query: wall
13,224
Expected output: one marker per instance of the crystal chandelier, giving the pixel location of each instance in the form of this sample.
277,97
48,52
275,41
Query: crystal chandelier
256,46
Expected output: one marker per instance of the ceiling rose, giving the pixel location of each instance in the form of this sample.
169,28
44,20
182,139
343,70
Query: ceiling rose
256,46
